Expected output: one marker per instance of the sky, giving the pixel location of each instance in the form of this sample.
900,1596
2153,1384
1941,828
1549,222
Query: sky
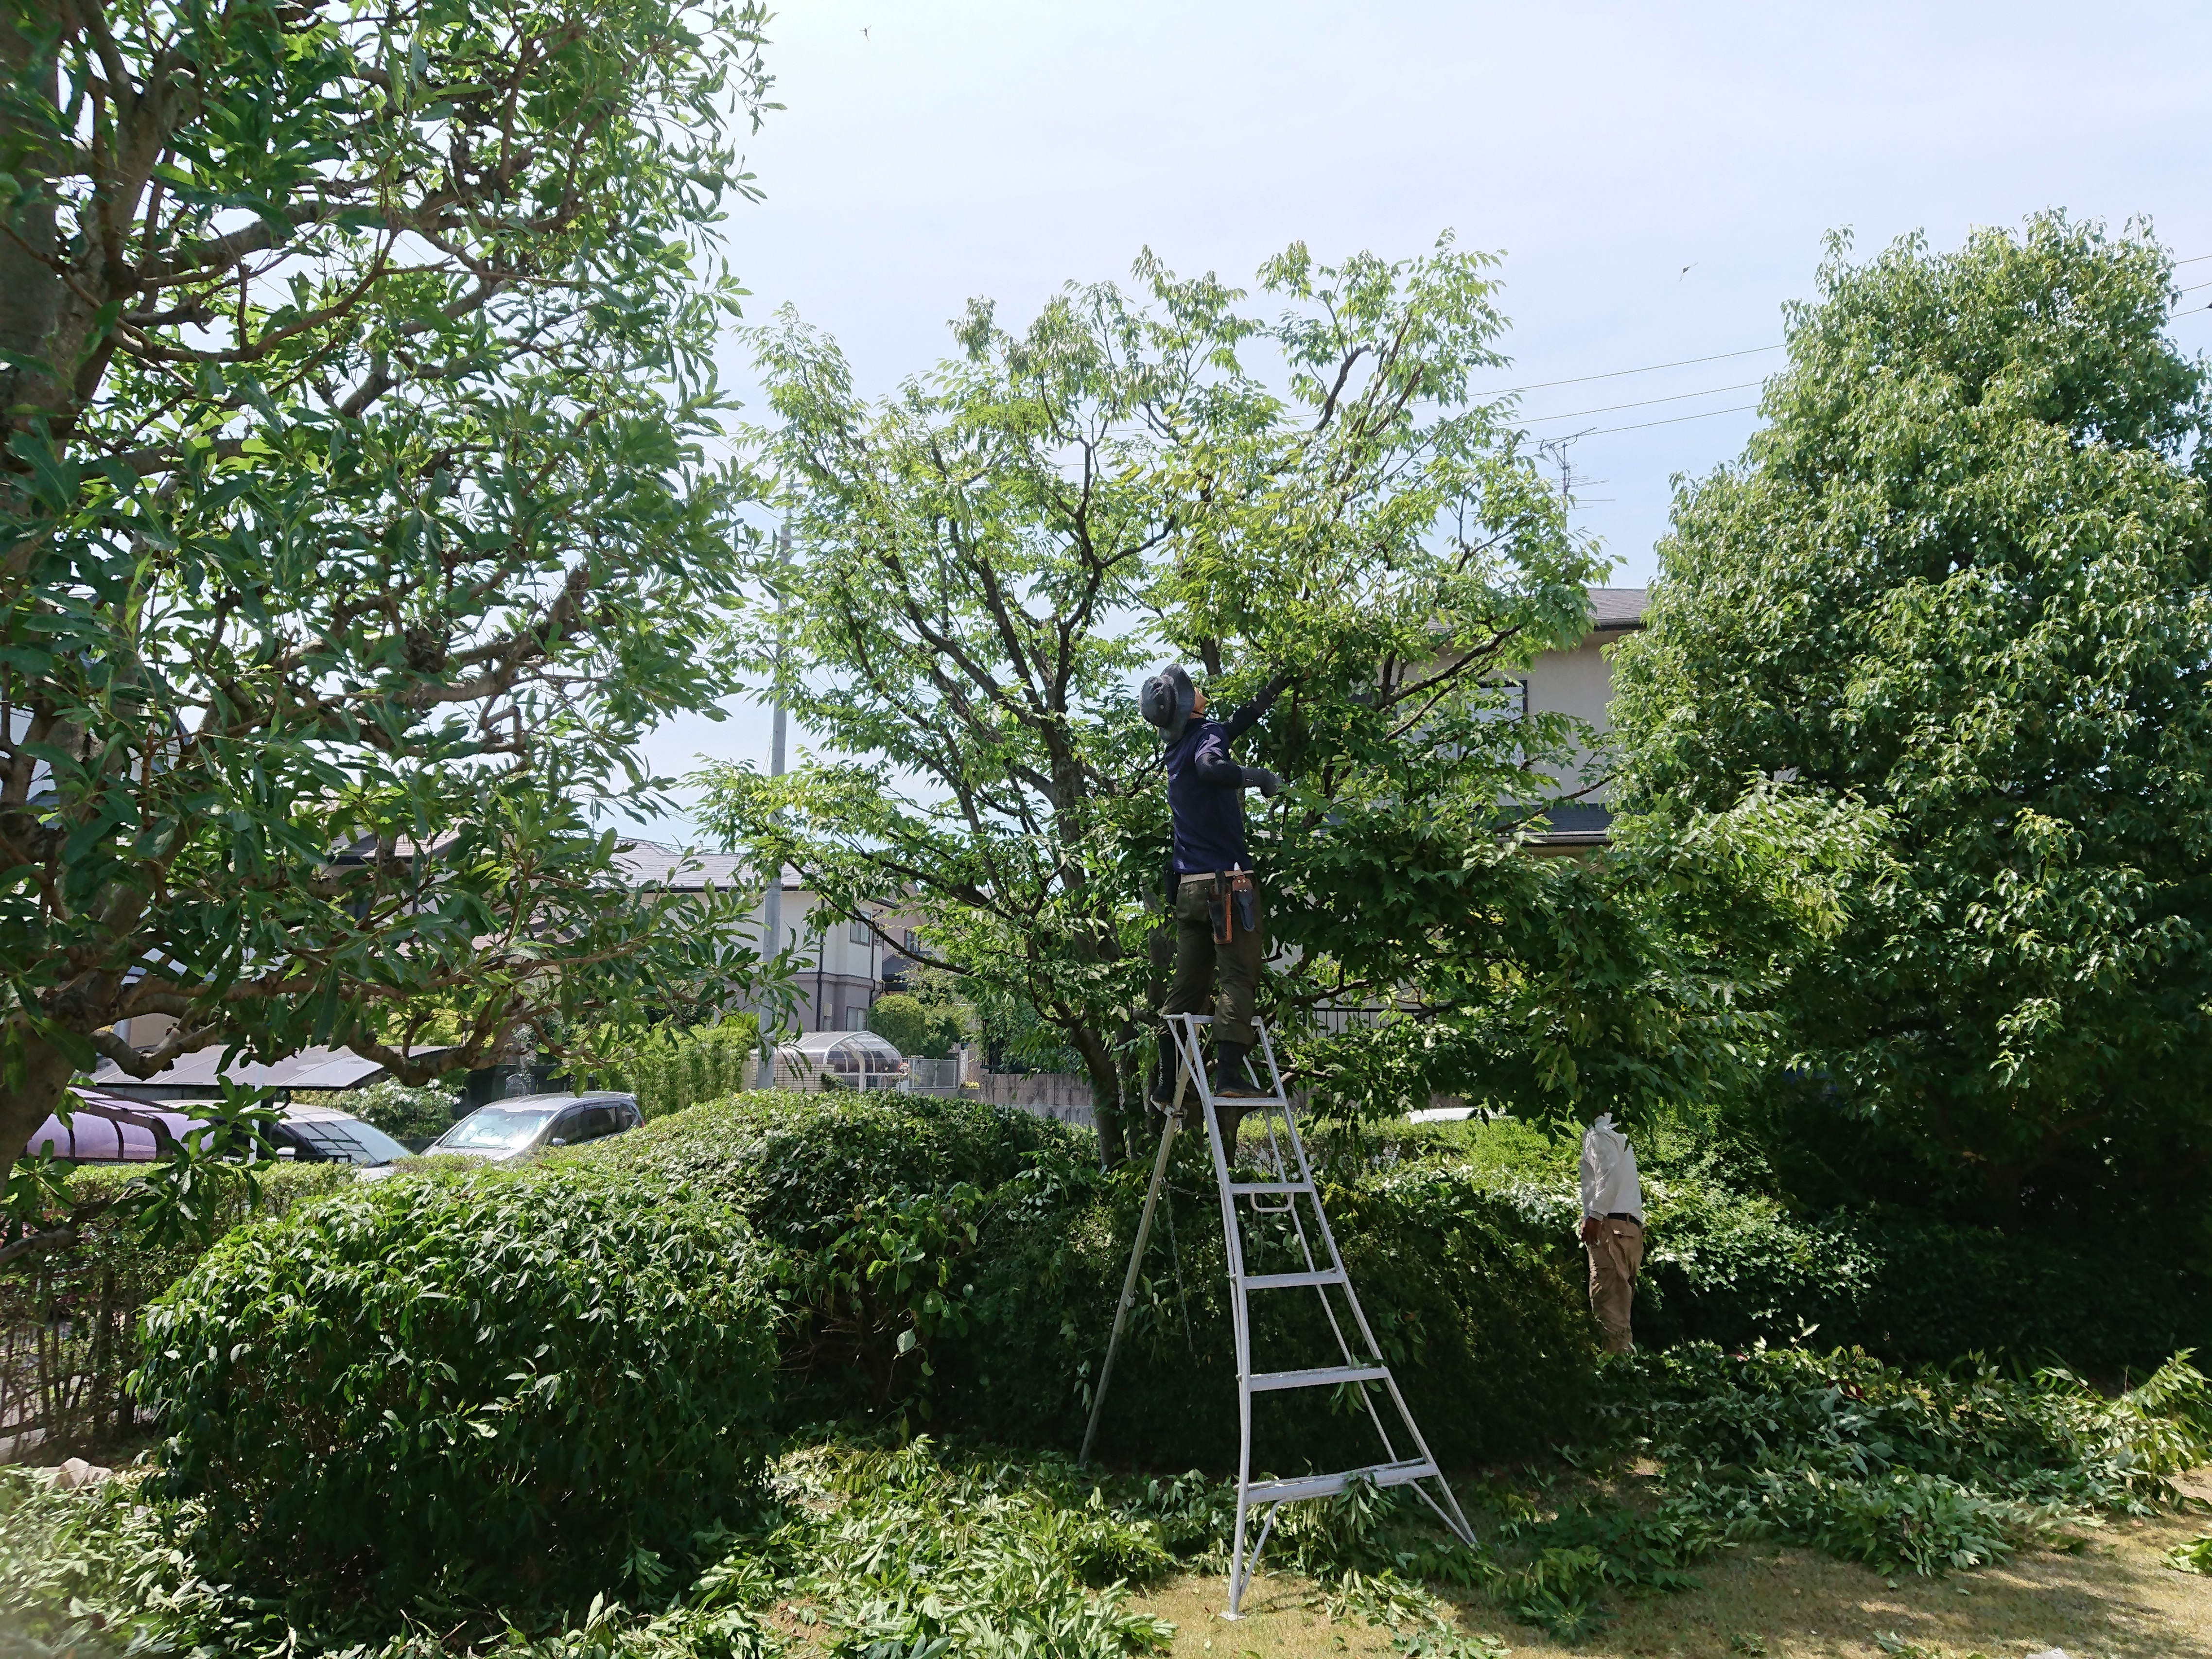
1659,181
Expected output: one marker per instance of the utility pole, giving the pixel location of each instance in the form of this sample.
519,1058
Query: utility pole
772,900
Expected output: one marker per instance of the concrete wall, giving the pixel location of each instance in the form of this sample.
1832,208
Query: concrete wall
1059,1095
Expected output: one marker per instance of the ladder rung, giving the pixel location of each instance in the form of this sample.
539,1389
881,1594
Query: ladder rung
1321,1377
1293,1281
1242,1188
1293,1488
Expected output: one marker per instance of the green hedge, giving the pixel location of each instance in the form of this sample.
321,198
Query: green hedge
1729,1263
1487,1332
69,1319
1486,1327
536,1379
797,1165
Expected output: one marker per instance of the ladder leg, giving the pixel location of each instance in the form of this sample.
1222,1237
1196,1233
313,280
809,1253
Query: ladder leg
1240,1313
1130,1282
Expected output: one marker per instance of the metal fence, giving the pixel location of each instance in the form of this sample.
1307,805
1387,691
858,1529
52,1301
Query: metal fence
935,1077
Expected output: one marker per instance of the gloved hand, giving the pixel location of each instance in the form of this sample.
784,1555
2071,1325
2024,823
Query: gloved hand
1260,777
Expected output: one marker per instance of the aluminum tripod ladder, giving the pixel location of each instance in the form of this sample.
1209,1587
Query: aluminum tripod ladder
1284,1159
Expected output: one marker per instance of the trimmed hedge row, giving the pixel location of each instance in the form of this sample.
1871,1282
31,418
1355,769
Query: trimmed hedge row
531,1377
69,1319
561,1372
1484,1325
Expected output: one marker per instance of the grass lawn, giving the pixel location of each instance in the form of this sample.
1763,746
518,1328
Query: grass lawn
2115,1600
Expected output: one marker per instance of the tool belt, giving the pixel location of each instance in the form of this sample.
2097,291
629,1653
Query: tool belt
1231,903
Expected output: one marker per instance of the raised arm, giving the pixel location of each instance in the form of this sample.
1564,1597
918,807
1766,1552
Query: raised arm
1253,712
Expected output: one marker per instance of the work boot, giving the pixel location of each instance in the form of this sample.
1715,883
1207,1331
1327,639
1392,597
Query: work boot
1232,1078
1163,1077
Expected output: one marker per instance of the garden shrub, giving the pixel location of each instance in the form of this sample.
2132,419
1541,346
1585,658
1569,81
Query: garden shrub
1928,1469
990,1245
415,1116
1485,1330
68,1317
539,1377
872,1203
797,1165
671,1070
930,1029
1731,1261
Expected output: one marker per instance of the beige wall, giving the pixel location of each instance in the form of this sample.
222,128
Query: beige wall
1579,683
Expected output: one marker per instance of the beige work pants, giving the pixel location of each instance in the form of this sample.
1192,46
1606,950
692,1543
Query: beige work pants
1616,1256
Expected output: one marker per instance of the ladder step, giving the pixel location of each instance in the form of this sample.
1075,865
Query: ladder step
1321,1377
1241,1188
1290,1490
1292,1281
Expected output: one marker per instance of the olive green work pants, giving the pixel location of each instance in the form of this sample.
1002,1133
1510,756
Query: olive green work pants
1197,956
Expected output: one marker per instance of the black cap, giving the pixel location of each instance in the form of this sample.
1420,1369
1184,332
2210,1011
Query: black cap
1167,699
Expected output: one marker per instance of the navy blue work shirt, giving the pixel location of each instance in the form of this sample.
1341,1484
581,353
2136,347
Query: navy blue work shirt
1206,790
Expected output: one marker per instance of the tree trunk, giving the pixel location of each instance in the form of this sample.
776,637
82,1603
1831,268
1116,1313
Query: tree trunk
30,289
1105,1095
28,1101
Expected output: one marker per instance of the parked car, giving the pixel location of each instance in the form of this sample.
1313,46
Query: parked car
528,1123
322,1134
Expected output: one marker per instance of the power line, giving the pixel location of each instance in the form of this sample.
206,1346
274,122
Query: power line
1717,356
1644,403
1614,375
1639,425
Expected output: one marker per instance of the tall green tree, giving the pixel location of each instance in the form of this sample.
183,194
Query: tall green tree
989,558
1962,576
355,518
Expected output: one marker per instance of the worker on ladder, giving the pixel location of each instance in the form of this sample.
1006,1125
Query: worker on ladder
1211,891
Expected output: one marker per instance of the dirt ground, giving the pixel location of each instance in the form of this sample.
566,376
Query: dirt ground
2115,1600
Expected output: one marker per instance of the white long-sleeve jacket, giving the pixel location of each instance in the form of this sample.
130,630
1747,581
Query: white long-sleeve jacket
1609,1182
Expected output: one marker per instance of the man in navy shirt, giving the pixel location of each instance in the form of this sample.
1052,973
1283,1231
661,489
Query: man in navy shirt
1216,904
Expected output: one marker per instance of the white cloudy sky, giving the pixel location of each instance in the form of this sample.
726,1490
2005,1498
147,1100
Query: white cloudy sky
1658,179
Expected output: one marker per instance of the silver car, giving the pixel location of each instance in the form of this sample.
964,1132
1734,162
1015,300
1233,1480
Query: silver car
528,1123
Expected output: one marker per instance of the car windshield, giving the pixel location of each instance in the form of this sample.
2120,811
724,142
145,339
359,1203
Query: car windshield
349,1140
495,1129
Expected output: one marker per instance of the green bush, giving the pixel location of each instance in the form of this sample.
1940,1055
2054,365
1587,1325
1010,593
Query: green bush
798,1165
69,1318
1930,1470
1731,1261
932,1030
670,1071
1008,1292
1730,1264
417,1116
1485,1327
874,1204
536,1376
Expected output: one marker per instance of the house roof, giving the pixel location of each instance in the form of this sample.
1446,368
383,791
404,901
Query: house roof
1618,609
677,869
681,869
311,1068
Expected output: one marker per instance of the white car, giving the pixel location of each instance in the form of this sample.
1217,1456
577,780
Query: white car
528,1123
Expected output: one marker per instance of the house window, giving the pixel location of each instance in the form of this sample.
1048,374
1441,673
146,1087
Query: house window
856,1020
857,932
1512,703
911,941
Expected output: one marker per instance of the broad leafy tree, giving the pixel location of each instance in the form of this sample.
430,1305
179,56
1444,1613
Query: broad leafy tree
988,559
355,518
1961,577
